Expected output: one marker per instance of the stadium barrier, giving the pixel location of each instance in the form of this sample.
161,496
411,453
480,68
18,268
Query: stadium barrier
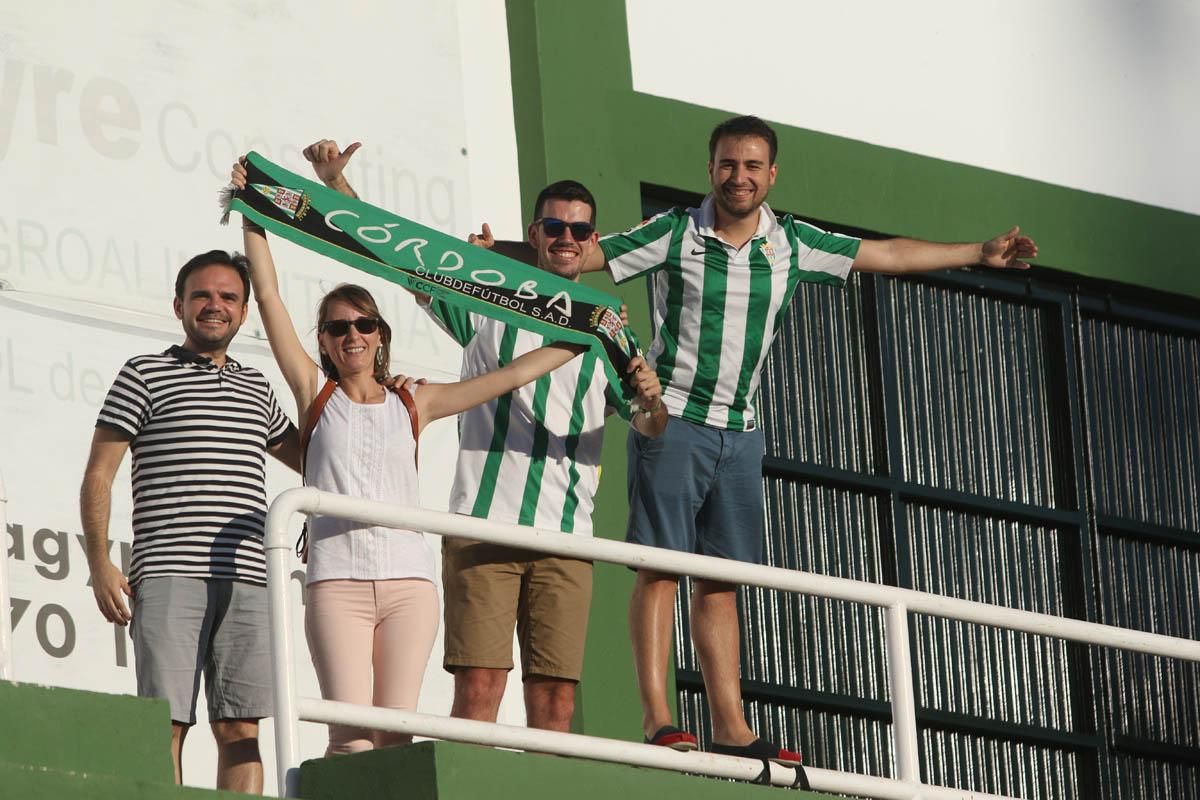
897,602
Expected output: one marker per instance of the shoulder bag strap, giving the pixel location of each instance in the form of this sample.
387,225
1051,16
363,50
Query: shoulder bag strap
411,405
310,424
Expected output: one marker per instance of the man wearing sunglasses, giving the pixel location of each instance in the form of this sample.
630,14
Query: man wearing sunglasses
531,457
198,574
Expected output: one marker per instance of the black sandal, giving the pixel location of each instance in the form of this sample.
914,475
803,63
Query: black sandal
760,750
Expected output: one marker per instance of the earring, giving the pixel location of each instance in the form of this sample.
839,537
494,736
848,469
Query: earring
379,356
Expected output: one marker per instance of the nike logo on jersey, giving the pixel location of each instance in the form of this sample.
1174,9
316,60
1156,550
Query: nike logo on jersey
699,252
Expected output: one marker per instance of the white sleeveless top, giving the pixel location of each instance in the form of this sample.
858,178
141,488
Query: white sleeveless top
364,450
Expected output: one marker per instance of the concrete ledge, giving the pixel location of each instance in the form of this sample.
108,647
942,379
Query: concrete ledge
39,783
451,771
85,732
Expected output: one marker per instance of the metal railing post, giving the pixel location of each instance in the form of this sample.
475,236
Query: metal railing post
904,707
278,549
6,656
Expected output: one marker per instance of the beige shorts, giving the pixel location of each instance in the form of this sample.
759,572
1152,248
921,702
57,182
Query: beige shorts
489,589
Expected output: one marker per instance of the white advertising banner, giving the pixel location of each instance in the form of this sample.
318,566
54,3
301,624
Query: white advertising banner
118,125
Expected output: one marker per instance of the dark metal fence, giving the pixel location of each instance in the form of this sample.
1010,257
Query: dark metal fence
1025,439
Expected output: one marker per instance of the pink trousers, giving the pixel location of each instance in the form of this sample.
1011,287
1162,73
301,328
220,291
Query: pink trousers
370,642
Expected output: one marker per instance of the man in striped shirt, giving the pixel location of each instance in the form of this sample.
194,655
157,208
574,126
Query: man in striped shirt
199,425
723,275
529,457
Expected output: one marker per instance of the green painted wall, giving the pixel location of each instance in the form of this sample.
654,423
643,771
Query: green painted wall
65,729
460,771
60,743
577,116
63,743
37,783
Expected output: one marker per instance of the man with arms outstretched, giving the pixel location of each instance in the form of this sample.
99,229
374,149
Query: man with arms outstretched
530,457
723,276
199,425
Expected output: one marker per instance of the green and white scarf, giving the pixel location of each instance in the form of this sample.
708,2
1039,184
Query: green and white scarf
428,261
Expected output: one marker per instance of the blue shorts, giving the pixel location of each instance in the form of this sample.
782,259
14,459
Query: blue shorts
697,489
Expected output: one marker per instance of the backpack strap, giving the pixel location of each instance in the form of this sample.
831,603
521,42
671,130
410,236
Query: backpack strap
411,405
310,424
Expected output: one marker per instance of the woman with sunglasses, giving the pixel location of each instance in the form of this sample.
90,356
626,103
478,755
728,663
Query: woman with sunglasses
372,608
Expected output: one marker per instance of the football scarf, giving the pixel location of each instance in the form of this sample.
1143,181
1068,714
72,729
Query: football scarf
430,262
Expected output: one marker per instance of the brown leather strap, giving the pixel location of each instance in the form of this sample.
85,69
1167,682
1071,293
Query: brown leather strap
314,414
310,424
411,405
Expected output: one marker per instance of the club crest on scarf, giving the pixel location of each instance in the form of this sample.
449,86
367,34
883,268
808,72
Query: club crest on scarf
609,322
289,201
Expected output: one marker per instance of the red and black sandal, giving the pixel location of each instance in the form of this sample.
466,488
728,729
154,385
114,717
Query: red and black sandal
674,738
760,750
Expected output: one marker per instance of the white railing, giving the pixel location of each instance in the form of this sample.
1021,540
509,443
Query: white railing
6,654
896,601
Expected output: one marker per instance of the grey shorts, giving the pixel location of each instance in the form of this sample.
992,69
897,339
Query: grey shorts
697,489
184,626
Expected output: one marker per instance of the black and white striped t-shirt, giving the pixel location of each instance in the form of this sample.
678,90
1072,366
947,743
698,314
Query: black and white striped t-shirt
199,437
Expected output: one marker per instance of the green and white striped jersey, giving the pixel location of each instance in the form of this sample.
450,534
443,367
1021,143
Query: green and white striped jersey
531,456
716,309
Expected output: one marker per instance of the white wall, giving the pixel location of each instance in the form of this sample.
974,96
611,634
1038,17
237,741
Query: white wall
118,125
1099,95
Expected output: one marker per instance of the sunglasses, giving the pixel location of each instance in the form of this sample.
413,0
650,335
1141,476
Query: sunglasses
340,327
554,228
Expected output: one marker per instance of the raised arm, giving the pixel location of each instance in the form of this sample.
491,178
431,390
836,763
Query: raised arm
298,369
109,585
329,162
517,251
899,256
437,400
